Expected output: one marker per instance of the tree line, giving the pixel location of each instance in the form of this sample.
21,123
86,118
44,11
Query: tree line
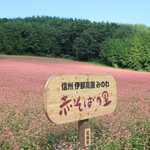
117,45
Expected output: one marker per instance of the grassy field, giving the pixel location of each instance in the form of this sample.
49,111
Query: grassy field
2,56
24,125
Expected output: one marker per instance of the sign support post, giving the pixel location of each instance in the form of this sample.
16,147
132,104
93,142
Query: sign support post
84,133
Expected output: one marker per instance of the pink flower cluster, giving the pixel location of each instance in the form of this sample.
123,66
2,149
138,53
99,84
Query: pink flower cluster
22,114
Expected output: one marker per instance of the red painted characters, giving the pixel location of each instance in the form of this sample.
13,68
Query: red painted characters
81,104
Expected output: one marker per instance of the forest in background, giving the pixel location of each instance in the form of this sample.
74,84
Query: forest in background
116,45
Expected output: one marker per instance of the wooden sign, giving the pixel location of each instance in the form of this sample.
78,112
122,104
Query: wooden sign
78,97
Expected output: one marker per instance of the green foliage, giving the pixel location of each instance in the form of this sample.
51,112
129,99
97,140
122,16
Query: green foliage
27,145
125,46
102,138
131,52
138,140
2,56
97,63
4,145
55,140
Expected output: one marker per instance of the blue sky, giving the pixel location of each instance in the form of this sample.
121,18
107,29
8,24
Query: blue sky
118,11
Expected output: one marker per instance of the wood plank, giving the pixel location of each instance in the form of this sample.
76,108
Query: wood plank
77,97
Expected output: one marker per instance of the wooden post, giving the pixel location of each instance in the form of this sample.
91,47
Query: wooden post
84,133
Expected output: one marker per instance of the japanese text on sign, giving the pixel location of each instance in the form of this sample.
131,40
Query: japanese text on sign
83,85
87,137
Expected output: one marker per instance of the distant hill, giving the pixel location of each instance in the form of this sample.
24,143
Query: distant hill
117,45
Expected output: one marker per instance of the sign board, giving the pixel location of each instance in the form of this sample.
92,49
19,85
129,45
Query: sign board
78,97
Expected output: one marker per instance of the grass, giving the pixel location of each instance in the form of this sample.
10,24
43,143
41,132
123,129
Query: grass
97,63
2,56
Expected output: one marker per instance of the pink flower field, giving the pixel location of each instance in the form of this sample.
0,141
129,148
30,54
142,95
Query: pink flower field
24,125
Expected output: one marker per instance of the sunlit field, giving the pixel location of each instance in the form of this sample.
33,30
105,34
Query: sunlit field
24,125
